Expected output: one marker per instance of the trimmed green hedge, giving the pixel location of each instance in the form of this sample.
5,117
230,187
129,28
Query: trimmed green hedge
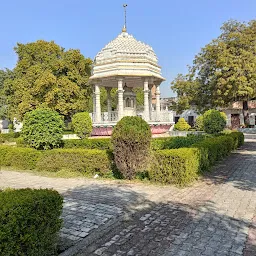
21,158
178,166
214,149
238,137
8,137
181,166
175,142
29,222
88,161
156,143
88,143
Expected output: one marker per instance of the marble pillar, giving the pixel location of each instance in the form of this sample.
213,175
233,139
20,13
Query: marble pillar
157,103
146,101
109,103
97,104
120,92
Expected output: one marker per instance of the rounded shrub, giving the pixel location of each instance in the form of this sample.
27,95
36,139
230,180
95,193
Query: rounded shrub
182,125
29,221
131,144
42,129
82,124
214,121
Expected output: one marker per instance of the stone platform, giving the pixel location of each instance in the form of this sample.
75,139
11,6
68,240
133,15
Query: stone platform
106,129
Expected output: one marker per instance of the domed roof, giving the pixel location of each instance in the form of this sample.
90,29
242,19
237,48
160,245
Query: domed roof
125,56
125,47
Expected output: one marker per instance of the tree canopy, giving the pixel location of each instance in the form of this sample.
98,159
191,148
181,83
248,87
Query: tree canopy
4,75
223,72
47,76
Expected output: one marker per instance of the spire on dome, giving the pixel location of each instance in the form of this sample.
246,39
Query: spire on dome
124,28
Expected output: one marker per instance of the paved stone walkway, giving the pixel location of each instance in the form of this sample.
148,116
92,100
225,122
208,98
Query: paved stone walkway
214,216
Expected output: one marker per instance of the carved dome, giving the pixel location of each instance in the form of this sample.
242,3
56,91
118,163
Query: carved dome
126,56
125,47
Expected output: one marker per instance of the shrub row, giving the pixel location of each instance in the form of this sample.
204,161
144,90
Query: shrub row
177,166
214,149
88,161
175,142
103,144
181,166
29,221
20,158
238,139
8,137
88,143
156,143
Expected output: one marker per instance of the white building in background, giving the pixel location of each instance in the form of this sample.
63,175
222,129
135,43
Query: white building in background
126,63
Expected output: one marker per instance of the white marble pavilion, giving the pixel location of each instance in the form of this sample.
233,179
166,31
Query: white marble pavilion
126,63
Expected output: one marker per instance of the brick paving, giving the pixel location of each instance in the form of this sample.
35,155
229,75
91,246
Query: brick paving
214,216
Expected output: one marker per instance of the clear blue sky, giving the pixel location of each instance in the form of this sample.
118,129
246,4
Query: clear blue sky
176,29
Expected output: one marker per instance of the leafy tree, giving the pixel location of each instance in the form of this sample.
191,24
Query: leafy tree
182,125
139,97
4,75
131,140
48,76
82,124
43,129
223,72
213,121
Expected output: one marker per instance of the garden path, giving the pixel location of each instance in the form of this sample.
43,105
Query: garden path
214,216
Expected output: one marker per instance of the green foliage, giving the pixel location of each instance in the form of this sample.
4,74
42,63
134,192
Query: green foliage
131,142
4,75
175,142
88,143
213,121
87,161
139,97
182,166
48,76
238,138
29,222
20,158
183,86
214,149
82,124
182,125
177,166
171,164
223,72
20,142
156,143
43,129
9,137
200,123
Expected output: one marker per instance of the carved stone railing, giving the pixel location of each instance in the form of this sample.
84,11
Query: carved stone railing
165,116
105,117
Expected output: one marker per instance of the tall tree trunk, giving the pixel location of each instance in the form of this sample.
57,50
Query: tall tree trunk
246,113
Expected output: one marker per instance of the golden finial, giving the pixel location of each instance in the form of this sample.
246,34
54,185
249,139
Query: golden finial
124,28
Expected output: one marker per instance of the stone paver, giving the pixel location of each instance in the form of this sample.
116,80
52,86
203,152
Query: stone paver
214,216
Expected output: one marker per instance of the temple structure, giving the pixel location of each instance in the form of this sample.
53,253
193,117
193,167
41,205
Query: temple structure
126,63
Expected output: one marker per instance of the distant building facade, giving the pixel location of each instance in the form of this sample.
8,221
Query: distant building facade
235,114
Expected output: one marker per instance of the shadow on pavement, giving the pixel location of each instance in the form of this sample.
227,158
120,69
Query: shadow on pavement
150,228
